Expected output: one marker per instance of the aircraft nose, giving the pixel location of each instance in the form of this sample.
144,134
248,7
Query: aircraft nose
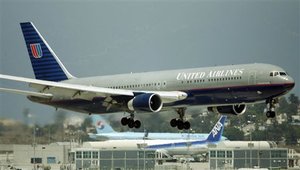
290,83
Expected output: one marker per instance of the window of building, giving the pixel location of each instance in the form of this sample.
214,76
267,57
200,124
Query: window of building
221,154
86,154
36,160
229,154
213,154
95,154
78,154
51,160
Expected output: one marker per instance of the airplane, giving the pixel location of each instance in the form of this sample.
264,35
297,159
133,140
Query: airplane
167,147
222,89
104,130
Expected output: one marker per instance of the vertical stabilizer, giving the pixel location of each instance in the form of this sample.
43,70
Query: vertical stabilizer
101,125
217,131
46,65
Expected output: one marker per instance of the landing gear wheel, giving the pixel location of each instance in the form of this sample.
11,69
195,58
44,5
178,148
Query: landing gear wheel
173,122
186,125
270,114
137,124
271,104
180,123
124,121
130,122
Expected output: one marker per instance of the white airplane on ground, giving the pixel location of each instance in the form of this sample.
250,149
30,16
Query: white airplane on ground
223,89
104,130
168,147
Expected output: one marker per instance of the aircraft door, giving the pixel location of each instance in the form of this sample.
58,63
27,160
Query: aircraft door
252,78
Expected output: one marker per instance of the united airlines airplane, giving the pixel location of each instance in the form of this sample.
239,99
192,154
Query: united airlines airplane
104,130
222,89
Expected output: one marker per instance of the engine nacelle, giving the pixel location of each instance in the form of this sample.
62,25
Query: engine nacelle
231,109
148,102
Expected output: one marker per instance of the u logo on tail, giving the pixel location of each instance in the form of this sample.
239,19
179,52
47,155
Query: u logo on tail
36,50
45,63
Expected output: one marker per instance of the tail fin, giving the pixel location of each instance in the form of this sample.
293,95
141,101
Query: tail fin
101,125
217,131
45,63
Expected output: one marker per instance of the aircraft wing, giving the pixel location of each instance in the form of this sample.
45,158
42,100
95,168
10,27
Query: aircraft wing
84,91
30,93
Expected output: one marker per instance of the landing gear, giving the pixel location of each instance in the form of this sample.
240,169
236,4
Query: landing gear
271,104
130,122
180,122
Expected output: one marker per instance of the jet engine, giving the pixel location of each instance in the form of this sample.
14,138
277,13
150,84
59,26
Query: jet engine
148,102
230,109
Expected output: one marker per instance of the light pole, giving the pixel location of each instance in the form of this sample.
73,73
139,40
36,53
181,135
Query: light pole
34,145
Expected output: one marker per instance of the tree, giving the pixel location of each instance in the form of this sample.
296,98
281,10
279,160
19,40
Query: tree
233,133
86,123
294,99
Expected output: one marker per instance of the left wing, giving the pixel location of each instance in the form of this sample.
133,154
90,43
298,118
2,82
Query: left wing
30,93
84,91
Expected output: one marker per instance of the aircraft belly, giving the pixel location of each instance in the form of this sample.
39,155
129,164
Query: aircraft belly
229,95
204,97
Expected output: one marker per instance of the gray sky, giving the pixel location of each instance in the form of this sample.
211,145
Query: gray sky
110,37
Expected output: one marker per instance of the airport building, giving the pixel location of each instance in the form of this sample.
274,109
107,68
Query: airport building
66,155
242,154
114,159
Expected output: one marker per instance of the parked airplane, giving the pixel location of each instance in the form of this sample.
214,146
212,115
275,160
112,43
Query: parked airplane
223,89
104,130
168,147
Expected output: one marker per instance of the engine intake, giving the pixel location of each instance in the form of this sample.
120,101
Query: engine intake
230,109
148,102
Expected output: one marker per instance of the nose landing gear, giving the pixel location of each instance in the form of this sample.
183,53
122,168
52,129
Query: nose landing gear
271,105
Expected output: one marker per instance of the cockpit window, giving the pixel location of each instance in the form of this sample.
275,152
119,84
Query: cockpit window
282,73
277,73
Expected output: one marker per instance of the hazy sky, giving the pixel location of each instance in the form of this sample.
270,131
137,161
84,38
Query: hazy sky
110,37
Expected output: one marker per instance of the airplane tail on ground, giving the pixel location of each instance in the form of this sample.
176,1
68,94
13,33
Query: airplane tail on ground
101,125
215,134
46,65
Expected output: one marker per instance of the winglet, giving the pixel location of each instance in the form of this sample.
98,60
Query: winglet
46,65
217,131
101,125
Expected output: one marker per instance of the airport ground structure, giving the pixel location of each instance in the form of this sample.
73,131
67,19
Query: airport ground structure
66,155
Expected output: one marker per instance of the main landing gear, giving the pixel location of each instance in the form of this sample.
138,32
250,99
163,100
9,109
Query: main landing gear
131,122
271,105
180,122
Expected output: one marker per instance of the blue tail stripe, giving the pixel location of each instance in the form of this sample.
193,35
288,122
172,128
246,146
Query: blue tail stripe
38,67
44,64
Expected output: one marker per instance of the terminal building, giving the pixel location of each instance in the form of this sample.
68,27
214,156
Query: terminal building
246,154
66,155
